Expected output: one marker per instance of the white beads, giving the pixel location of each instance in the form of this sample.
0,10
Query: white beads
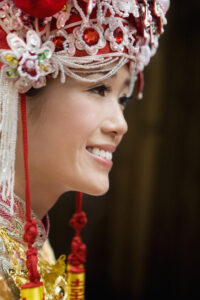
165,4
8,109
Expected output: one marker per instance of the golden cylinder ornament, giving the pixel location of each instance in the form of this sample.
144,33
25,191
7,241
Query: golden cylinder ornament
76,285
32,293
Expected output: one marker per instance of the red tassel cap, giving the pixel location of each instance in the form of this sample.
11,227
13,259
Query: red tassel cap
40,8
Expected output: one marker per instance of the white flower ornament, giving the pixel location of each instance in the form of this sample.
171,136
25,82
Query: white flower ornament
124,8
28,62
117,34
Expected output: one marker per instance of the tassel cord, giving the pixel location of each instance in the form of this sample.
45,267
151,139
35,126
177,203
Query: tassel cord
30,228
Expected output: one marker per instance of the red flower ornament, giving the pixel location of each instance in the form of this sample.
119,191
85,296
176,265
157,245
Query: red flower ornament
40,8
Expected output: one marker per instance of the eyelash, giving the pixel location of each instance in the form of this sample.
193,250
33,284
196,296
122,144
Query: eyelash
124,101
103,89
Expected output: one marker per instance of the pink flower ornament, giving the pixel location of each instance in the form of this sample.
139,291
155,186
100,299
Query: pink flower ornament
28,62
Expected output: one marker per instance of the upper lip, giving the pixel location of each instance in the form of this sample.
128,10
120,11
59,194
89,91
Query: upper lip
105,147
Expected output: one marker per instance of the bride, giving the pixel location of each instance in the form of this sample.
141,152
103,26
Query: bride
68,69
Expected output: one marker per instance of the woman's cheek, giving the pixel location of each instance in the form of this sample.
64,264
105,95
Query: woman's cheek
82,116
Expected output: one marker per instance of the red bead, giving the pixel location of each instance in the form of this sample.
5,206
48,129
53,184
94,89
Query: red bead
91,36
118,35
40,8
58,42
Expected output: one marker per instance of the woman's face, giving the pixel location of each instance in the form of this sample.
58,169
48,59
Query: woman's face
74,129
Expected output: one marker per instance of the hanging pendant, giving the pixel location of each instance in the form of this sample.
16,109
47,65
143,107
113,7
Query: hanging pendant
76,283
77,258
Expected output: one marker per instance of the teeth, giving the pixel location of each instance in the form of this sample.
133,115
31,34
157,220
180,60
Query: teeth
101,153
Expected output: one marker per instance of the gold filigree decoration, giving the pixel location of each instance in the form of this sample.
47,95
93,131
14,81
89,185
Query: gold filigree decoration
54,276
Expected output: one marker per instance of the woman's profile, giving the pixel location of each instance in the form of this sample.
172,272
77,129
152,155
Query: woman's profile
68,70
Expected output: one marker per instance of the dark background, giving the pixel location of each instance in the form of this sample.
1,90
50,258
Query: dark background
143,236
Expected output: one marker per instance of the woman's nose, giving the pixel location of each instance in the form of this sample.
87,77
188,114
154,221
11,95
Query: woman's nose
115,123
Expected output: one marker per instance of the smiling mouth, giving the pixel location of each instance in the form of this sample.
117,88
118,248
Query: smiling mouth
100,153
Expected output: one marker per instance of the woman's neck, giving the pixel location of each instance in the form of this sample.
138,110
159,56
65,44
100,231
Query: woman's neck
43,195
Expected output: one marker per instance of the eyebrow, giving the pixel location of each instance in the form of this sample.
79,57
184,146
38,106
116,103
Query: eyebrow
126,82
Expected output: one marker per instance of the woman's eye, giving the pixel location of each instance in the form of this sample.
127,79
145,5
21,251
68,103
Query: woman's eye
100,90
124,101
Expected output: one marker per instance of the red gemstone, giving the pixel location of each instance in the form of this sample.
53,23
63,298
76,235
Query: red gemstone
58,42
118,35
91,36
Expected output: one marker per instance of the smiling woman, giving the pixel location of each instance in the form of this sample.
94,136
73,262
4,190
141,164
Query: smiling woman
66,77
89,126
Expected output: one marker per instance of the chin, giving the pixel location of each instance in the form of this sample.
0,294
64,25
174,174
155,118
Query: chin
97,189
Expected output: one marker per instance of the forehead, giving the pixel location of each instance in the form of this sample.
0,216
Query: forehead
99,75
119,79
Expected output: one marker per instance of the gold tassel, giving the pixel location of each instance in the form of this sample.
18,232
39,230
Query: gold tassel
76,284
32,291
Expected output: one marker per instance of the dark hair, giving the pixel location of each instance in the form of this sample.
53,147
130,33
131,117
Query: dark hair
32,93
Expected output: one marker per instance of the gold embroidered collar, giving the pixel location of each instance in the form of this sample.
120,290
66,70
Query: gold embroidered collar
14,225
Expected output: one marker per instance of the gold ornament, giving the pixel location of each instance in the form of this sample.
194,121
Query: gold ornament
76,285
36,293
53,276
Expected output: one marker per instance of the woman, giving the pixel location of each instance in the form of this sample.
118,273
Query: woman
69,68
86,118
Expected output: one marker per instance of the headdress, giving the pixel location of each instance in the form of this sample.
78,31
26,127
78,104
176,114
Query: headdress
51,38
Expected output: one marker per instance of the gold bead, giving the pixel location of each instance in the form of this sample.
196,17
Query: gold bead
14,62
46,68
8,57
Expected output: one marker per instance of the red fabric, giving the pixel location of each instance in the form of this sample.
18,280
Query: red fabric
40,8
3,41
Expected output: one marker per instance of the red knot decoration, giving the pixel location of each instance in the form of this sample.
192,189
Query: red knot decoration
40,8
78,249
78,255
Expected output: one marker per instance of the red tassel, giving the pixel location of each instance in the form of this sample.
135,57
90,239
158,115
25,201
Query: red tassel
140,85
75,267
33,289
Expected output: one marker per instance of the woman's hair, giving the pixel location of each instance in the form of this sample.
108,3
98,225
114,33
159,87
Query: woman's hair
33,93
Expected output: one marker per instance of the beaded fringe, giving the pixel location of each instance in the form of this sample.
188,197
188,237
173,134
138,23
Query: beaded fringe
8,136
